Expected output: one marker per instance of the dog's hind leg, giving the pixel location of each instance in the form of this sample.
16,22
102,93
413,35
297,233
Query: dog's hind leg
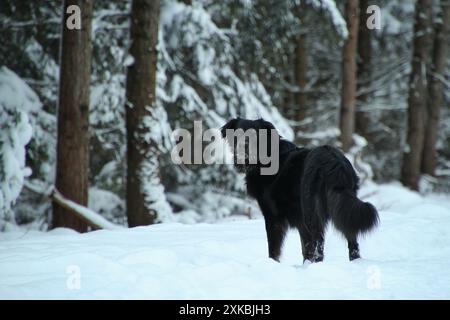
353,248
318,253
308,245
312,245
276,230
308,248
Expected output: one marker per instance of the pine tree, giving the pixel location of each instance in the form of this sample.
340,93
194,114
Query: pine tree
362,119
301,67
348,94
417,99
436,88
140,93
73,116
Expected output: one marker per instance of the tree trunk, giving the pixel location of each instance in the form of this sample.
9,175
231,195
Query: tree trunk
72,163
301,68
362,119
417,98
435,89
140,94
348,94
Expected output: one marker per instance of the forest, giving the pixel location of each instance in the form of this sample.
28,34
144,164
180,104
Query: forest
347,73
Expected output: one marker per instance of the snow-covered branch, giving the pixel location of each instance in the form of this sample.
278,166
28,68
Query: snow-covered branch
89,216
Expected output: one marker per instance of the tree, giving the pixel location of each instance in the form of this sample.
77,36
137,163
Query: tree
362,119
301,67
140,94
348,91
15,134
417,99
72,164
435,89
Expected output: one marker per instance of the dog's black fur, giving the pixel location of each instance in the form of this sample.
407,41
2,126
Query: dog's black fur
311,187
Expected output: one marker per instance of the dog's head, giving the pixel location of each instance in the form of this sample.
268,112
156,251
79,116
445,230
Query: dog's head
251,141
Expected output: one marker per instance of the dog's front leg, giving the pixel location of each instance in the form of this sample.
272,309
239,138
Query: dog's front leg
276,231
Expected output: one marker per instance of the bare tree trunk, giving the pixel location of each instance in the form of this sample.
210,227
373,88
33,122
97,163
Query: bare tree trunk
301,67
72,163
417,95
435,89
140,93
362,119
348,95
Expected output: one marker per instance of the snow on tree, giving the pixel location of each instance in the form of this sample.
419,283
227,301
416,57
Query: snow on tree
197,81
17,100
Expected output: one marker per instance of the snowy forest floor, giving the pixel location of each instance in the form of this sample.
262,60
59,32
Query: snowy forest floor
407,257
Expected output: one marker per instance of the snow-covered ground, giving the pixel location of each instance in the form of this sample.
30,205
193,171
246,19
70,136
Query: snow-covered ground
407,257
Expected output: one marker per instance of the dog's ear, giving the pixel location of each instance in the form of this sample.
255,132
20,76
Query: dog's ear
229,125
263,124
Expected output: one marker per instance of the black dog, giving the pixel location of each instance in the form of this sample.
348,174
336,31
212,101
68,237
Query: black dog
311,187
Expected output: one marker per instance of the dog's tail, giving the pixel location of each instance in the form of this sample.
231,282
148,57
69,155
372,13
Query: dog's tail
335,186
349,214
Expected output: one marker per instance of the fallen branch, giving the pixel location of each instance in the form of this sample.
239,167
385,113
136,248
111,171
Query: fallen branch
92,218
87,215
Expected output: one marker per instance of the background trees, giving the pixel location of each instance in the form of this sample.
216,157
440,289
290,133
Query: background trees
436,77
418,94
281,60
364,70
141,97
301,65
72,162
349,58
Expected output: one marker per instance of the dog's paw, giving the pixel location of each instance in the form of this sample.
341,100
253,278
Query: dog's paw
354,254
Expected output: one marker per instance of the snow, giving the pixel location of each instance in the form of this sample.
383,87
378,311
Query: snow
391,23
407,257
108,204
153,190
12,161
16,94
337,19
16,101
